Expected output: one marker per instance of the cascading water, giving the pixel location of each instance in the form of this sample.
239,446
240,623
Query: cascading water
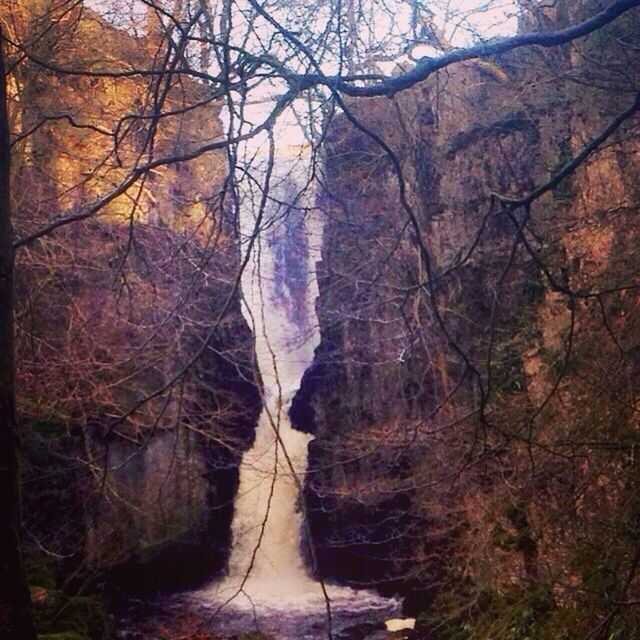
266,563
267,582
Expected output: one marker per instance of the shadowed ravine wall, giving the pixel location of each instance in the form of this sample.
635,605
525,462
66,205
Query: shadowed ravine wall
455,482
120,488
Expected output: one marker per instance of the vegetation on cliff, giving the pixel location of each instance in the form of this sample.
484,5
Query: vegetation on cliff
473,399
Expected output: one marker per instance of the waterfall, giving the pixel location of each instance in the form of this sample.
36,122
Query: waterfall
267,521
267,579
279,289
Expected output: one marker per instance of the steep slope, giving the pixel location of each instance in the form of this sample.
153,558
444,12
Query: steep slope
473,417
137,379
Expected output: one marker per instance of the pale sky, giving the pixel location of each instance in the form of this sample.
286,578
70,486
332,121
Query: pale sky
489,18
462,22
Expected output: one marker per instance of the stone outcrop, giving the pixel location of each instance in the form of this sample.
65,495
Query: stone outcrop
138,384
443,413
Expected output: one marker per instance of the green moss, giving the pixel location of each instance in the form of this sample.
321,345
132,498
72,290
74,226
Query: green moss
502,539
518,614
533,288
566,191
41,571
507,372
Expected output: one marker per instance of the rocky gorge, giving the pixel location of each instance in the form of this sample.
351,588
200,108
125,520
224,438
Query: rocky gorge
409,392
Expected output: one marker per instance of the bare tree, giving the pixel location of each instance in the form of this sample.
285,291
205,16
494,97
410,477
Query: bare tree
15,593
252,63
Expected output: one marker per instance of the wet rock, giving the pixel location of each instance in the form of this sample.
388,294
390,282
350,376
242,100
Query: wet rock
400,624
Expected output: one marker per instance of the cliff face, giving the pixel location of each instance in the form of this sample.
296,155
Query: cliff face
386,383
155,489
465,430
138,386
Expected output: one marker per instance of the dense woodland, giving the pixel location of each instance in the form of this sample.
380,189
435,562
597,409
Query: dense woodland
473,399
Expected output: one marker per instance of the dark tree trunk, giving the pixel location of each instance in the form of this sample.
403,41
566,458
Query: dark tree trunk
15,606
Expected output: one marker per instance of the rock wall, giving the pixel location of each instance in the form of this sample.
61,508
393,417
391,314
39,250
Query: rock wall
138,386
464,429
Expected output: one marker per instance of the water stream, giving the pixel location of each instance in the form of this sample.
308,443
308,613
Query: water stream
268,586
279,292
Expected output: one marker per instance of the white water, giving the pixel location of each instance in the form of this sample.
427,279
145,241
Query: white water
266,561
266,566
267,578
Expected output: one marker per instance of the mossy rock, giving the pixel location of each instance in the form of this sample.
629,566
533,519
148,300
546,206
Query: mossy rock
41,572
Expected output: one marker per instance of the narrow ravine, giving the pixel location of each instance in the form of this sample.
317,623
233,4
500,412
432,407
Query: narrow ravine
268,587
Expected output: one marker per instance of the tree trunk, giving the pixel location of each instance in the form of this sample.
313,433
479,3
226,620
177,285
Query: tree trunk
15,606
